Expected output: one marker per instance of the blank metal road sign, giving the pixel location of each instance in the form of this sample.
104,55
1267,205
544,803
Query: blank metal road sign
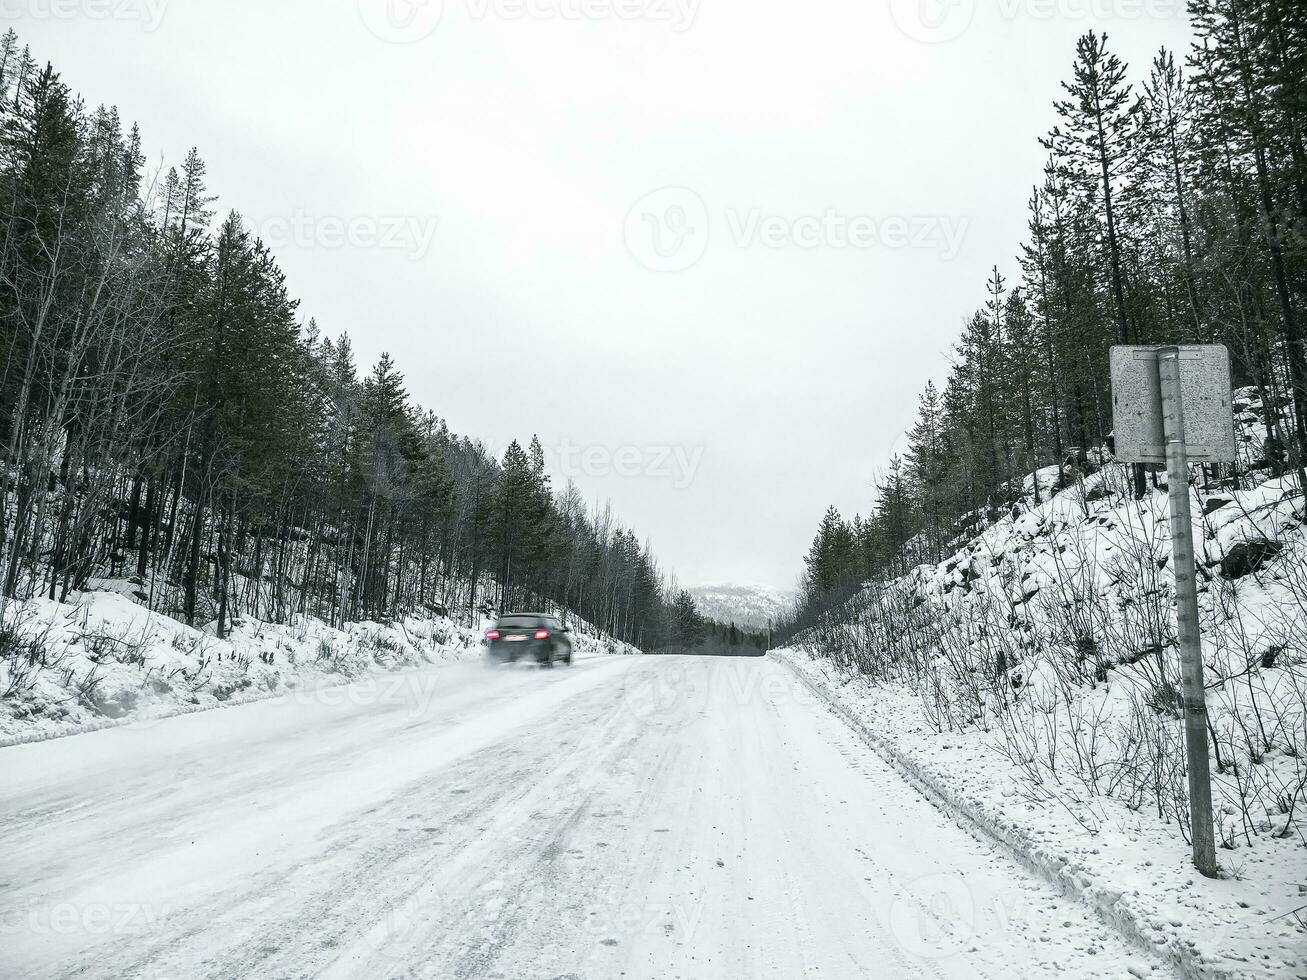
1137,404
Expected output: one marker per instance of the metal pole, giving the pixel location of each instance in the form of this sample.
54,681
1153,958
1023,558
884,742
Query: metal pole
1186,604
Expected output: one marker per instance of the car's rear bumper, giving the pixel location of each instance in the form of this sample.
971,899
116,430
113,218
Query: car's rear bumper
508,651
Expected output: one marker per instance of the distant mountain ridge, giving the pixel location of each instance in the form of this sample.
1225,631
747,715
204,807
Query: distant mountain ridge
753,606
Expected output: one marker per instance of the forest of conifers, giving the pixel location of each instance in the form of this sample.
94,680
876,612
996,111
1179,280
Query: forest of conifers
1172,209
168,418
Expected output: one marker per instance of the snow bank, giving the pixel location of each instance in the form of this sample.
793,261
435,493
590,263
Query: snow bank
1134,873
101,660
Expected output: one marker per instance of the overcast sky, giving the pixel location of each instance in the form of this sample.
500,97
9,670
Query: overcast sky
709,250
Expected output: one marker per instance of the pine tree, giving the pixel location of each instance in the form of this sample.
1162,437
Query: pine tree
927,468
895,515
1024,367
1167,153
1239,60
1036,265
830,559
1094,148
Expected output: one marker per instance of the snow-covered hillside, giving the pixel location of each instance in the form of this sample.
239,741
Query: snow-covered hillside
753,606
1036,670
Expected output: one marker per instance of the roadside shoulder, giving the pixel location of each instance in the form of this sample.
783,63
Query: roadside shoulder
1126,869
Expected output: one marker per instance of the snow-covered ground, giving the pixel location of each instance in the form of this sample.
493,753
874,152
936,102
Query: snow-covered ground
1125,864
103,660
750,606
644,817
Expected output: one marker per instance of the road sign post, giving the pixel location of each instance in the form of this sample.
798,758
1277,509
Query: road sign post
1186,609
1151,389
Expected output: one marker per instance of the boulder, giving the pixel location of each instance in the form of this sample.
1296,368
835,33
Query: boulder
1246,558
1213,504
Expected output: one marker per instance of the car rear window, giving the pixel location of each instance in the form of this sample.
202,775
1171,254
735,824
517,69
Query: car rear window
523,621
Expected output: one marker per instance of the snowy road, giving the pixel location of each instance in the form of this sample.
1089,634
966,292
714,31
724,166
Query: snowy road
637,817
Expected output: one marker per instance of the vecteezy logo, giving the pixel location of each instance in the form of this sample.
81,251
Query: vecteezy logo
933,21
395,927
667,230
401,21
934,917
656,694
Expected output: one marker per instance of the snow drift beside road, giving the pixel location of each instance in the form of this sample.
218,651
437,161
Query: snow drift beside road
102,660
1129,866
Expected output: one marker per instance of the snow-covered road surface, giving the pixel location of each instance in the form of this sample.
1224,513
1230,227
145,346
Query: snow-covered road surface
626,817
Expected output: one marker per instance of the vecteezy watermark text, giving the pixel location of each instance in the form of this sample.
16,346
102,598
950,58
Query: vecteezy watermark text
679,14
668,230
409,21
85,918
938,915
679,464
840,231
411,234
939,21
149,13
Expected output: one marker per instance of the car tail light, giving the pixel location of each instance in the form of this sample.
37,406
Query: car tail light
542,634
492,634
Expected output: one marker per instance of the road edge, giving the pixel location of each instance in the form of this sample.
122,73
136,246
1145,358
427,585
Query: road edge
1031,855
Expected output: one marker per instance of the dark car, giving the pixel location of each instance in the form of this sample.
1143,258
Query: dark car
528,636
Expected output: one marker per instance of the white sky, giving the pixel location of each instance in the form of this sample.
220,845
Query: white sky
788,374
